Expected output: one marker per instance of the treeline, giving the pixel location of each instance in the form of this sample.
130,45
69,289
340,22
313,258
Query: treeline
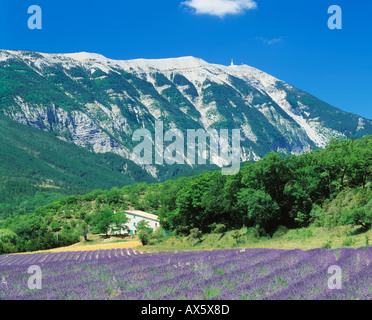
290,191
63,222
325,187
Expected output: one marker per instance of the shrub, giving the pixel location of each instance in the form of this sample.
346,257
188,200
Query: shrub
253,232
317,216
195,234
7,235
327,245
302,219
358,216
238,236
219,228
349,241
8,248
280,231
159,234
144,237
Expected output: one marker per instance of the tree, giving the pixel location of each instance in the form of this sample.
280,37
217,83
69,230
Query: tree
119,220
151,200
114,196
103,220
84,230
143,225
259,209
54,226
359,216
191,210
215,202
8,241
360,162
271,174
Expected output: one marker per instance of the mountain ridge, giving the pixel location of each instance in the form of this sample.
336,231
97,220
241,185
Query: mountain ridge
98,103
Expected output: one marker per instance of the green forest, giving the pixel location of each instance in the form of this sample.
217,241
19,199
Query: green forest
37,168
328,188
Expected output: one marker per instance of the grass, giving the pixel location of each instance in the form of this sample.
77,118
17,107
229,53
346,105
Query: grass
97,239
305,239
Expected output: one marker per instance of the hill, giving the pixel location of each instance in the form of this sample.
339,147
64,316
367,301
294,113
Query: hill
37,168
323,188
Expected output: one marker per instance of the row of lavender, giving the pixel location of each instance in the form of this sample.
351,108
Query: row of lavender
45,258
217,274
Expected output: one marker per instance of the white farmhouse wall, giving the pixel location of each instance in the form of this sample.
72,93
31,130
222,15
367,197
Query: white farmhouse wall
136,216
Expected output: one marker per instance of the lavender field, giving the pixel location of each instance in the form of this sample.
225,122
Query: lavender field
228,274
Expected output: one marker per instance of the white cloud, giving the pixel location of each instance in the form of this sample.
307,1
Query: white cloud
270,41
220,8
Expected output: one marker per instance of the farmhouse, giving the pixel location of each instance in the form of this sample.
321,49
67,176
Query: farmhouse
136,216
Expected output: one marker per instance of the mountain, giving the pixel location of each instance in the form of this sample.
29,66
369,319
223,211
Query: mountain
97,103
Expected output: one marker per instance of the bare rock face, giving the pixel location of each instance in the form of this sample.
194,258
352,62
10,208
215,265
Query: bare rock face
74,126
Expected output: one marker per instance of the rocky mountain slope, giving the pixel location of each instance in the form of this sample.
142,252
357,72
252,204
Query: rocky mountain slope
98,103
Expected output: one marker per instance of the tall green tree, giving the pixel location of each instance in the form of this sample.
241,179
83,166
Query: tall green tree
102,221
119,221
259,209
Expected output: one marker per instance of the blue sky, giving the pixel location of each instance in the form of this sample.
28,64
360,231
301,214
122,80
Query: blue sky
288,39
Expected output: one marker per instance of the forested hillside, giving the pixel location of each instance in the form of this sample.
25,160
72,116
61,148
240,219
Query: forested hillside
37,168
324,187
